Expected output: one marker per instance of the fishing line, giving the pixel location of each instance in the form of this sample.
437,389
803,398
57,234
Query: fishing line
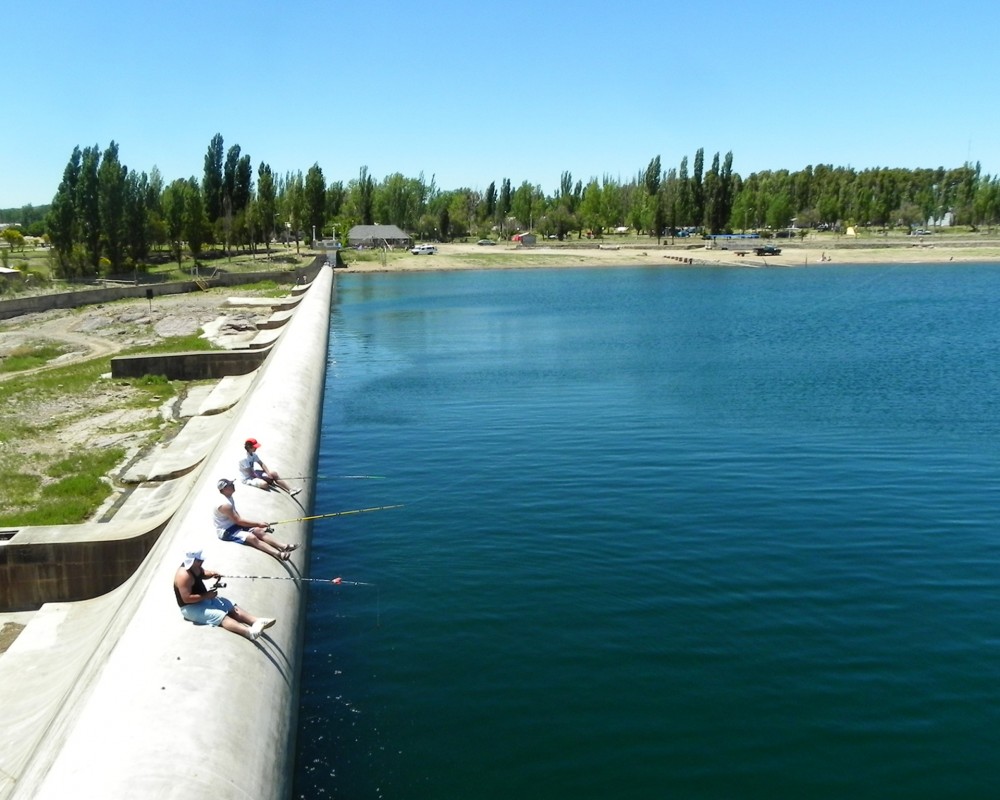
338,581
334,581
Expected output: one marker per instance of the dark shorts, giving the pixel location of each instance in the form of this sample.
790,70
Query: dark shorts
234,533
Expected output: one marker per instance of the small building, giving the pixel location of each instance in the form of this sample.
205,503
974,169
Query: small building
946,220
6,273
387,236
524,238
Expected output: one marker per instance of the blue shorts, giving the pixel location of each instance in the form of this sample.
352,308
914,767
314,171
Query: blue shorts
208,612
234,533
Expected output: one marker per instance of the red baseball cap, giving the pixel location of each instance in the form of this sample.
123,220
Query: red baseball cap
252,442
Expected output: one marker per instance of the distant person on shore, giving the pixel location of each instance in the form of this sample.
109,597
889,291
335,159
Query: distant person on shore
254,472
203,606
231,527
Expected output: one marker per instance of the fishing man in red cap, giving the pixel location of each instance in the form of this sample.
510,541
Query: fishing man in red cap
255,473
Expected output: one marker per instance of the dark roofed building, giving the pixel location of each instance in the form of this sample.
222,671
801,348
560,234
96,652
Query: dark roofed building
378,236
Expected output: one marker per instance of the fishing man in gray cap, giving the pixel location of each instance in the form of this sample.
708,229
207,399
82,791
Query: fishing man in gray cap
231,527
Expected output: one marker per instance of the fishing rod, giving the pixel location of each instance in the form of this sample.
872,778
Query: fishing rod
335,514
336,477
335,581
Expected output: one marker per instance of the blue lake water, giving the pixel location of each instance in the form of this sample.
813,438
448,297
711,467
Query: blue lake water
706,533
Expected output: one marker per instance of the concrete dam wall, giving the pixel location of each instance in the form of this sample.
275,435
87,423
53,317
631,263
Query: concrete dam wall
117,695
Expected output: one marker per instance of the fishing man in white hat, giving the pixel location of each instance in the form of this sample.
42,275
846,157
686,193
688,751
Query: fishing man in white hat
203,606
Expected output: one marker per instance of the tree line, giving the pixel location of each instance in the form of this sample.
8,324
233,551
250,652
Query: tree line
107,218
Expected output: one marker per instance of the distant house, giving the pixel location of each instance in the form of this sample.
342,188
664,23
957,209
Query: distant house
524,238
378,236
10,274
945,221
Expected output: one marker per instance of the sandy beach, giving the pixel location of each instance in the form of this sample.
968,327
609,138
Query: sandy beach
971,248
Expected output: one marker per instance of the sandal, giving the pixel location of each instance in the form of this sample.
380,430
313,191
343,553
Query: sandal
284,555
289,547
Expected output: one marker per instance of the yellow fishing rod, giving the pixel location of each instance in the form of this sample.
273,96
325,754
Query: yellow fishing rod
334,514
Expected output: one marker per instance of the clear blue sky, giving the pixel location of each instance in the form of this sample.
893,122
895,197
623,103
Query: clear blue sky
472,93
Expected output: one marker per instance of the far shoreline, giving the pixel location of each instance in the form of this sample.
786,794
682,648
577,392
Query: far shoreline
504,255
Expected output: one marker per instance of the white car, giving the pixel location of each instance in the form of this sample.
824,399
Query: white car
424,250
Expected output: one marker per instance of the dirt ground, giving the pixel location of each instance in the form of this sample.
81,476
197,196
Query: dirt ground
794,253
102,417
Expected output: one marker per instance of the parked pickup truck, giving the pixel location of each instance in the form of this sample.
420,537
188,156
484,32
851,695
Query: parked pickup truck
767,250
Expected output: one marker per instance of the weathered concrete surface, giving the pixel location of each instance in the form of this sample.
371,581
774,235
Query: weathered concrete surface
227,392
119,696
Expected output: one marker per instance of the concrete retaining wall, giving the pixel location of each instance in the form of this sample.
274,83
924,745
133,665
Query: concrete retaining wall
195,365
106,294
129,700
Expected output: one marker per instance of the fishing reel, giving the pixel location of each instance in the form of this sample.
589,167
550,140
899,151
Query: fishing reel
219,584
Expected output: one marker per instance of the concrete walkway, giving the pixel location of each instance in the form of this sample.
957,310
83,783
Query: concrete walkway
120,697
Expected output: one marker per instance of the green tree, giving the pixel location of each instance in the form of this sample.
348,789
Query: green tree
504,203
670,192
361,197
779,211
295,205
685,198
136,218
195,219
315,201
697,187
61,221
490,201
653,176
88,214
590,210
212,182
14,239
243,183
156,224
526,203
111,205
336,198
266,203
399,201
653,179
174,209
444,224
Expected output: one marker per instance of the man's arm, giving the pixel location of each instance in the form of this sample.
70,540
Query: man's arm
184,586
230,511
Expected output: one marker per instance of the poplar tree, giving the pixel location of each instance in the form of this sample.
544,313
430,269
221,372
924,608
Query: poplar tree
136,218
490,201
295,205
61,221
88,209
111,205
503,204
364,200
173,214
213,181
315,200
266,202
195,221
697,189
